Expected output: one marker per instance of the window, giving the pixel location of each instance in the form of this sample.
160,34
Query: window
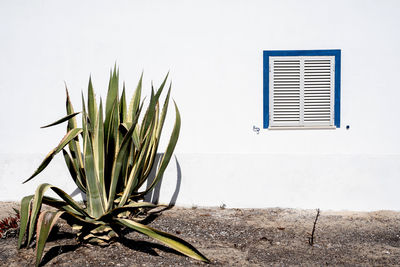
302,89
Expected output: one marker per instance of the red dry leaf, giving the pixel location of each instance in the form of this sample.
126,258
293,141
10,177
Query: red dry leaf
8,223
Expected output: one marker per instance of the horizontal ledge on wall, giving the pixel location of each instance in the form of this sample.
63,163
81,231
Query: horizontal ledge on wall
302,127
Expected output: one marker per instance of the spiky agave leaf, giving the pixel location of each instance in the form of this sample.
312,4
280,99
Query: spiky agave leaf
99,151
46,221
119,160
132,206
67,138
112,98
168,153
135,101
73,171
92,106
123,112
96,203
157,134
66,118
166,238
62,205
37,203
134,175
74,145
25,212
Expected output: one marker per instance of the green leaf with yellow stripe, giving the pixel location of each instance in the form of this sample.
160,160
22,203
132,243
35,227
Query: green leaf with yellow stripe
170,240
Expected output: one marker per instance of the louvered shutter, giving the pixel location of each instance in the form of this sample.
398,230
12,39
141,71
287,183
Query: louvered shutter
285,78
318,90
302,91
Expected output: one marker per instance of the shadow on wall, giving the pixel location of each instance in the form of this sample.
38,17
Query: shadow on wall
76,192
154,195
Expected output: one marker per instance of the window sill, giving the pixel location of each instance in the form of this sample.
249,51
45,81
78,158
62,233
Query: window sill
302,127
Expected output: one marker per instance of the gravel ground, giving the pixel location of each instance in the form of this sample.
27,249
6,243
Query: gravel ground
232,237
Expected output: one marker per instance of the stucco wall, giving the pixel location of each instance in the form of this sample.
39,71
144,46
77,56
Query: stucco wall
214,52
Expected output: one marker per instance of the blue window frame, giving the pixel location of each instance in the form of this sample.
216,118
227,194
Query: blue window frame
336,53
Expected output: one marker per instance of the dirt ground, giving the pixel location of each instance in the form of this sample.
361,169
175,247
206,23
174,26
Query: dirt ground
232,237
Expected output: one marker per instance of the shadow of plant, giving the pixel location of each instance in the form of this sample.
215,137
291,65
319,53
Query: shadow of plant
136,245
146,246
56,251
57,234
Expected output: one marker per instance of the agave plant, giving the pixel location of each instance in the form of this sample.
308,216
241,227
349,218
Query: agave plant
109,160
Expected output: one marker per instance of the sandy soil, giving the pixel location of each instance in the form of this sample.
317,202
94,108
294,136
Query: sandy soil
233,237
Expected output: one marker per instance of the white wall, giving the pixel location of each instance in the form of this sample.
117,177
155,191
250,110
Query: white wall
214,51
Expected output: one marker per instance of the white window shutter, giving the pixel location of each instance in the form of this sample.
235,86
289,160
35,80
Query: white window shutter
302,91
318,90
285,100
